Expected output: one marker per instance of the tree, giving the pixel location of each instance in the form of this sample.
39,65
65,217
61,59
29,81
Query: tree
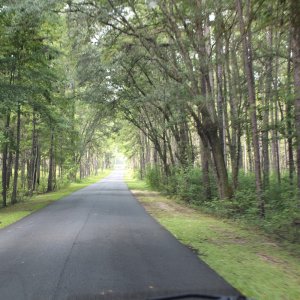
295,20
247,47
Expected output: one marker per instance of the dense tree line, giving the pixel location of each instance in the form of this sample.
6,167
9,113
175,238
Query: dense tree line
48,135
209,84
205,96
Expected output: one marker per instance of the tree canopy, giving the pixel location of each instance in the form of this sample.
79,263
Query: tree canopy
203,97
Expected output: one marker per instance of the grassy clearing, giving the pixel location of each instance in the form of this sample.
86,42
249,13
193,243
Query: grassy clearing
254,263
12,214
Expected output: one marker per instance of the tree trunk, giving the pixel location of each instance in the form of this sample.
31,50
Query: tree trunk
23,166
38,166
252,101
275,137
233,83
4,160
205,153
51,160
266,115
16,171
225,189
142,155
209,132
289,117
32,164
295,19
9,166
220,98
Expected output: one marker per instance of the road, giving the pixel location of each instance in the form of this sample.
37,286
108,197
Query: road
98,241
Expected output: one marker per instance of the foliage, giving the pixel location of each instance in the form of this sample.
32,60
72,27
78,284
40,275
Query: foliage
281,201
59,135
154,178
201,97
259,266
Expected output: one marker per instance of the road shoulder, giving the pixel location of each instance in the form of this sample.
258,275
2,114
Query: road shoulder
248,259
13,213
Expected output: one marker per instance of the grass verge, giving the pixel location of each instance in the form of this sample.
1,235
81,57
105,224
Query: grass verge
12,214
251,261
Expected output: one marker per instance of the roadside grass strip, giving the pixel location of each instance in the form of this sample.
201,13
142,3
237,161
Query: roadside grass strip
13,213
254,263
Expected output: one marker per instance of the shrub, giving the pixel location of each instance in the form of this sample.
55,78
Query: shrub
282,211
153,177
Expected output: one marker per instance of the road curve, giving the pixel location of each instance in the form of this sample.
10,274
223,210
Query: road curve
98,241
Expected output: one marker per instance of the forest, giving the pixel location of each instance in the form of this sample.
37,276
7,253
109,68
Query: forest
201,96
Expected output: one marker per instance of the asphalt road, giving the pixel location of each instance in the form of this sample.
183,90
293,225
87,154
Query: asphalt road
98,241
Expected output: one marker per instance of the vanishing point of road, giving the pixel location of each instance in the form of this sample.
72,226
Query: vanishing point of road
98,242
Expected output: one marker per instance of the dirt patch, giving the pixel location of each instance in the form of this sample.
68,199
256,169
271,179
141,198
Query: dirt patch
270,259
237,240
227,236
227,240
183,209
138,193
157,207
165,206
272,244
153,202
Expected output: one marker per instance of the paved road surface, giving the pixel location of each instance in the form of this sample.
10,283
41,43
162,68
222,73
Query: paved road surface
98,241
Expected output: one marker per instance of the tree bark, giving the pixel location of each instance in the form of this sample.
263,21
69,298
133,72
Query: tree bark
51,160
220,95
32,164
252,101
233,81
210,134
275,104
266,115
9,166
295,20
17,157
4,160
289,117
205,153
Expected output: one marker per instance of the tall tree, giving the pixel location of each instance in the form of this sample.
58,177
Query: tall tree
248,64
295,21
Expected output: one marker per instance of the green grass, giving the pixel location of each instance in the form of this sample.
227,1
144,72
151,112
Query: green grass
135,183
251,261
12,214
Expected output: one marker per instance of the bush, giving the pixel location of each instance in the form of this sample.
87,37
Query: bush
185,183
282,211
154,178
